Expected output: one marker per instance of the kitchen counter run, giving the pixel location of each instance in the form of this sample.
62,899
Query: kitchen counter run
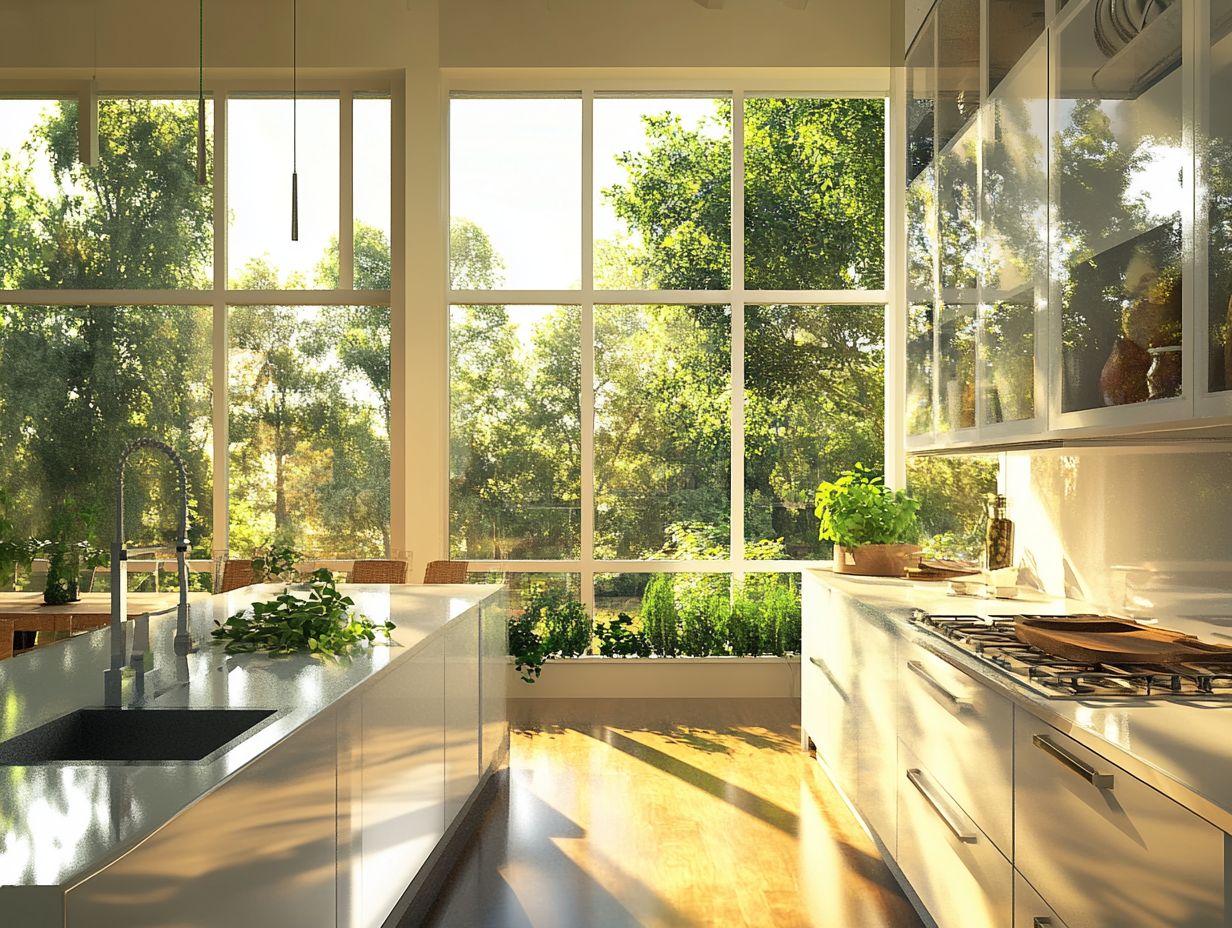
60,823
1179,748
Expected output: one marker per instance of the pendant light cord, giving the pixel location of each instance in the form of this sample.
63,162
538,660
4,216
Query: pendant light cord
294,85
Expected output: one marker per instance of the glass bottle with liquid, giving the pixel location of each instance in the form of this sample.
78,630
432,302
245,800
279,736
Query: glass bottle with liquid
998,535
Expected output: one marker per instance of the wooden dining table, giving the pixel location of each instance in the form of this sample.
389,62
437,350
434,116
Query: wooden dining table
27,622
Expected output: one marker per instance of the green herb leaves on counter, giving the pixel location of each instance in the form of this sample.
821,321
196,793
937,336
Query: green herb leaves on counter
325,623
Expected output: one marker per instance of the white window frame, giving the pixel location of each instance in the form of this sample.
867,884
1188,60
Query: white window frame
738,86
219,297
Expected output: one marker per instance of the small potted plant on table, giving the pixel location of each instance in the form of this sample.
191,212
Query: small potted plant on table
874,528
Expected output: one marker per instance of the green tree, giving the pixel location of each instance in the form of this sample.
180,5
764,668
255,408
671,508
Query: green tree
78,383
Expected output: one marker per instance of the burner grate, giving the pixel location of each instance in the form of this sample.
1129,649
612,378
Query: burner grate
992,641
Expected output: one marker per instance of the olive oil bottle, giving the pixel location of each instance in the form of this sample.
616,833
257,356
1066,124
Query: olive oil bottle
998,536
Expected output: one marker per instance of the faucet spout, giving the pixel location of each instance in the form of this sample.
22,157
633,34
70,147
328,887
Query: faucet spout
119,566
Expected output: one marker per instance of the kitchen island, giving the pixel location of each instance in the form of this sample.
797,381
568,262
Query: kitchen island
331,811
998,806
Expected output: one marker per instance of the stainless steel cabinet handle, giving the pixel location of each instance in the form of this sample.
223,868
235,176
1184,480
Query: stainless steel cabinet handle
916,777
1041,921
1072,763
922,672
829,675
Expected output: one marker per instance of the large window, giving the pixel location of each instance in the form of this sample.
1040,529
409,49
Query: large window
271,378
635,392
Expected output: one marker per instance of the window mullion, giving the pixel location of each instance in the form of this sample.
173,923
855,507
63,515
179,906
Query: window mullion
221,365
346,190
737,335
587,399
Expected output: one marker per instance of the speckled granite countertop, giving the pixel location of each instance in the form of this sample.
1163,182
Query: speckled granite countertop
62,822
1183,749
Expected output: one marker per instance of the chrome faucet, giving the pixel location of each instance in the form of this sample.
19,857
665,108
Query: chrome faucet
120,554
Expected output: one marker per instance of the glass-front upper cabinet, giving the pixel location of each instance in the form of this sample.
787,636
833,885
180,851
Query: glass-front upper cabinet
1013,27
959,256
958,67
1215,166
1014,240
921,219
1119,202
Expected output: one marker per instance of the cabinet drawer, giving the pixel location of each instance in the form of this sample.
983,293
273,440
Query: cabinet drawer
1030,909
1105,849
964,733
959,875
827,706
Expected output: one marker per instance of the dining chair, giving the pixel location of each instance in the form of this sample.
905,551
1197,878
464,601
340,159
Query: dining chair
236,574
446,572
378,570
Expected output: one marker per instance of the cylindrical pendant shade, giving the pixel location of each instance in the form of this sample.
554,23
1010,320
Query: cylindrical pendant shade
201,141
294,206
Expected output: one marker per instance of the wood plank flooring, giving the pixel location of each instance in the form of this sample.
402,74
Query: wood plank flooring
668,813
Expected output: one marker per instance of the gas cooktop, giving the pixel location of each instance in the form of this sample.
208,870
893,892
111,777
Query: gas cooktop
992,642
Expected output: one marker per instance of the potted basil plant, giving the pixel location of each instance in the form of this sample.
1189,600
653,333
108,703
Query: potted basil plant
874,528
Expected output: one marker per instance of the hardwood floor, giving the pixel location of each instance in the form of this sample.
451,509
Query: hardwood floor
670,813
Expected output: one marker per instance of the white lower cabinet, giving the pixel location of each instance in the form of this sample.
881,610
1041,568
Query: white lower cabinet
494,660
1106,849
1030,909
827,701
402,788
462,718
958,873
963,732
876,714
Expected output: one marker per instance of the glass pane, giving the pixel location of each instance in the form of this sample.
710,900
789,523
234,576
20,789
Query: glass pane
515,445
814,406
521,585
515,182
260,253
137,219
662,207
951,491
680,614
1015,223
1118,156
922,235
814,193
1217,159
921,94
79,383
662,431
956,367
920,350
309,419
372,197
958,67
958,182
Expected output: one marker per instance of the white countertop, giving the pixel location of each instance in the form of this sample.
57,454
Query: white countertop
1183,749
62,822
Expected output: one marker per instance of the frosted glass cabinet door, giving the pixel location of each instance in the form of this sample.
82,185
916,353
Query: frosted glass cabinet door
1117,161
1217,163
1014,280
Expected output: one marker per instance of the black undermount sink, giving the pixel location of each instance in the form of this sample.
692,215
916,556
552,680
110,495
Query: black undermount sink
136,735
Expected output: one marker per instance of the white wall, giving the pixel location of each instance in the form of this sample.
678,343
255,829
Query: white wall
663,33
1124,528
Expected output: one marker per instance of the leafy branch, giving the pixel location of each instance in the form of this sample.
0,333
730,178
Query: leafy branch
324,624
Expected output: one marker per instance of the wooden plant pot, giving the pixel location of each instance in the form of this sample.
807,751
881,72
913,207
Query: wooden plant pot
875,560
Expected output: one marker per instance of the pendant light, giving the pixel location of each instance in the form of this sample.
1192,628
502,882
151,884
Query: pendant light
201,93
295,120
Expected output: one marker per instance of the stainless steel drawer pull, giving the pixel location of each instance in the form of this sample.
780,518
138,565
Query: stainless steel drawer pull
922,672
826,672
1072,763
916,777
1041,921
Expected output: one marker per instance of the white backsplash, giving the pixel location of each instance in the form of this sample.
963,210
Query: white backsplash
1131,530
